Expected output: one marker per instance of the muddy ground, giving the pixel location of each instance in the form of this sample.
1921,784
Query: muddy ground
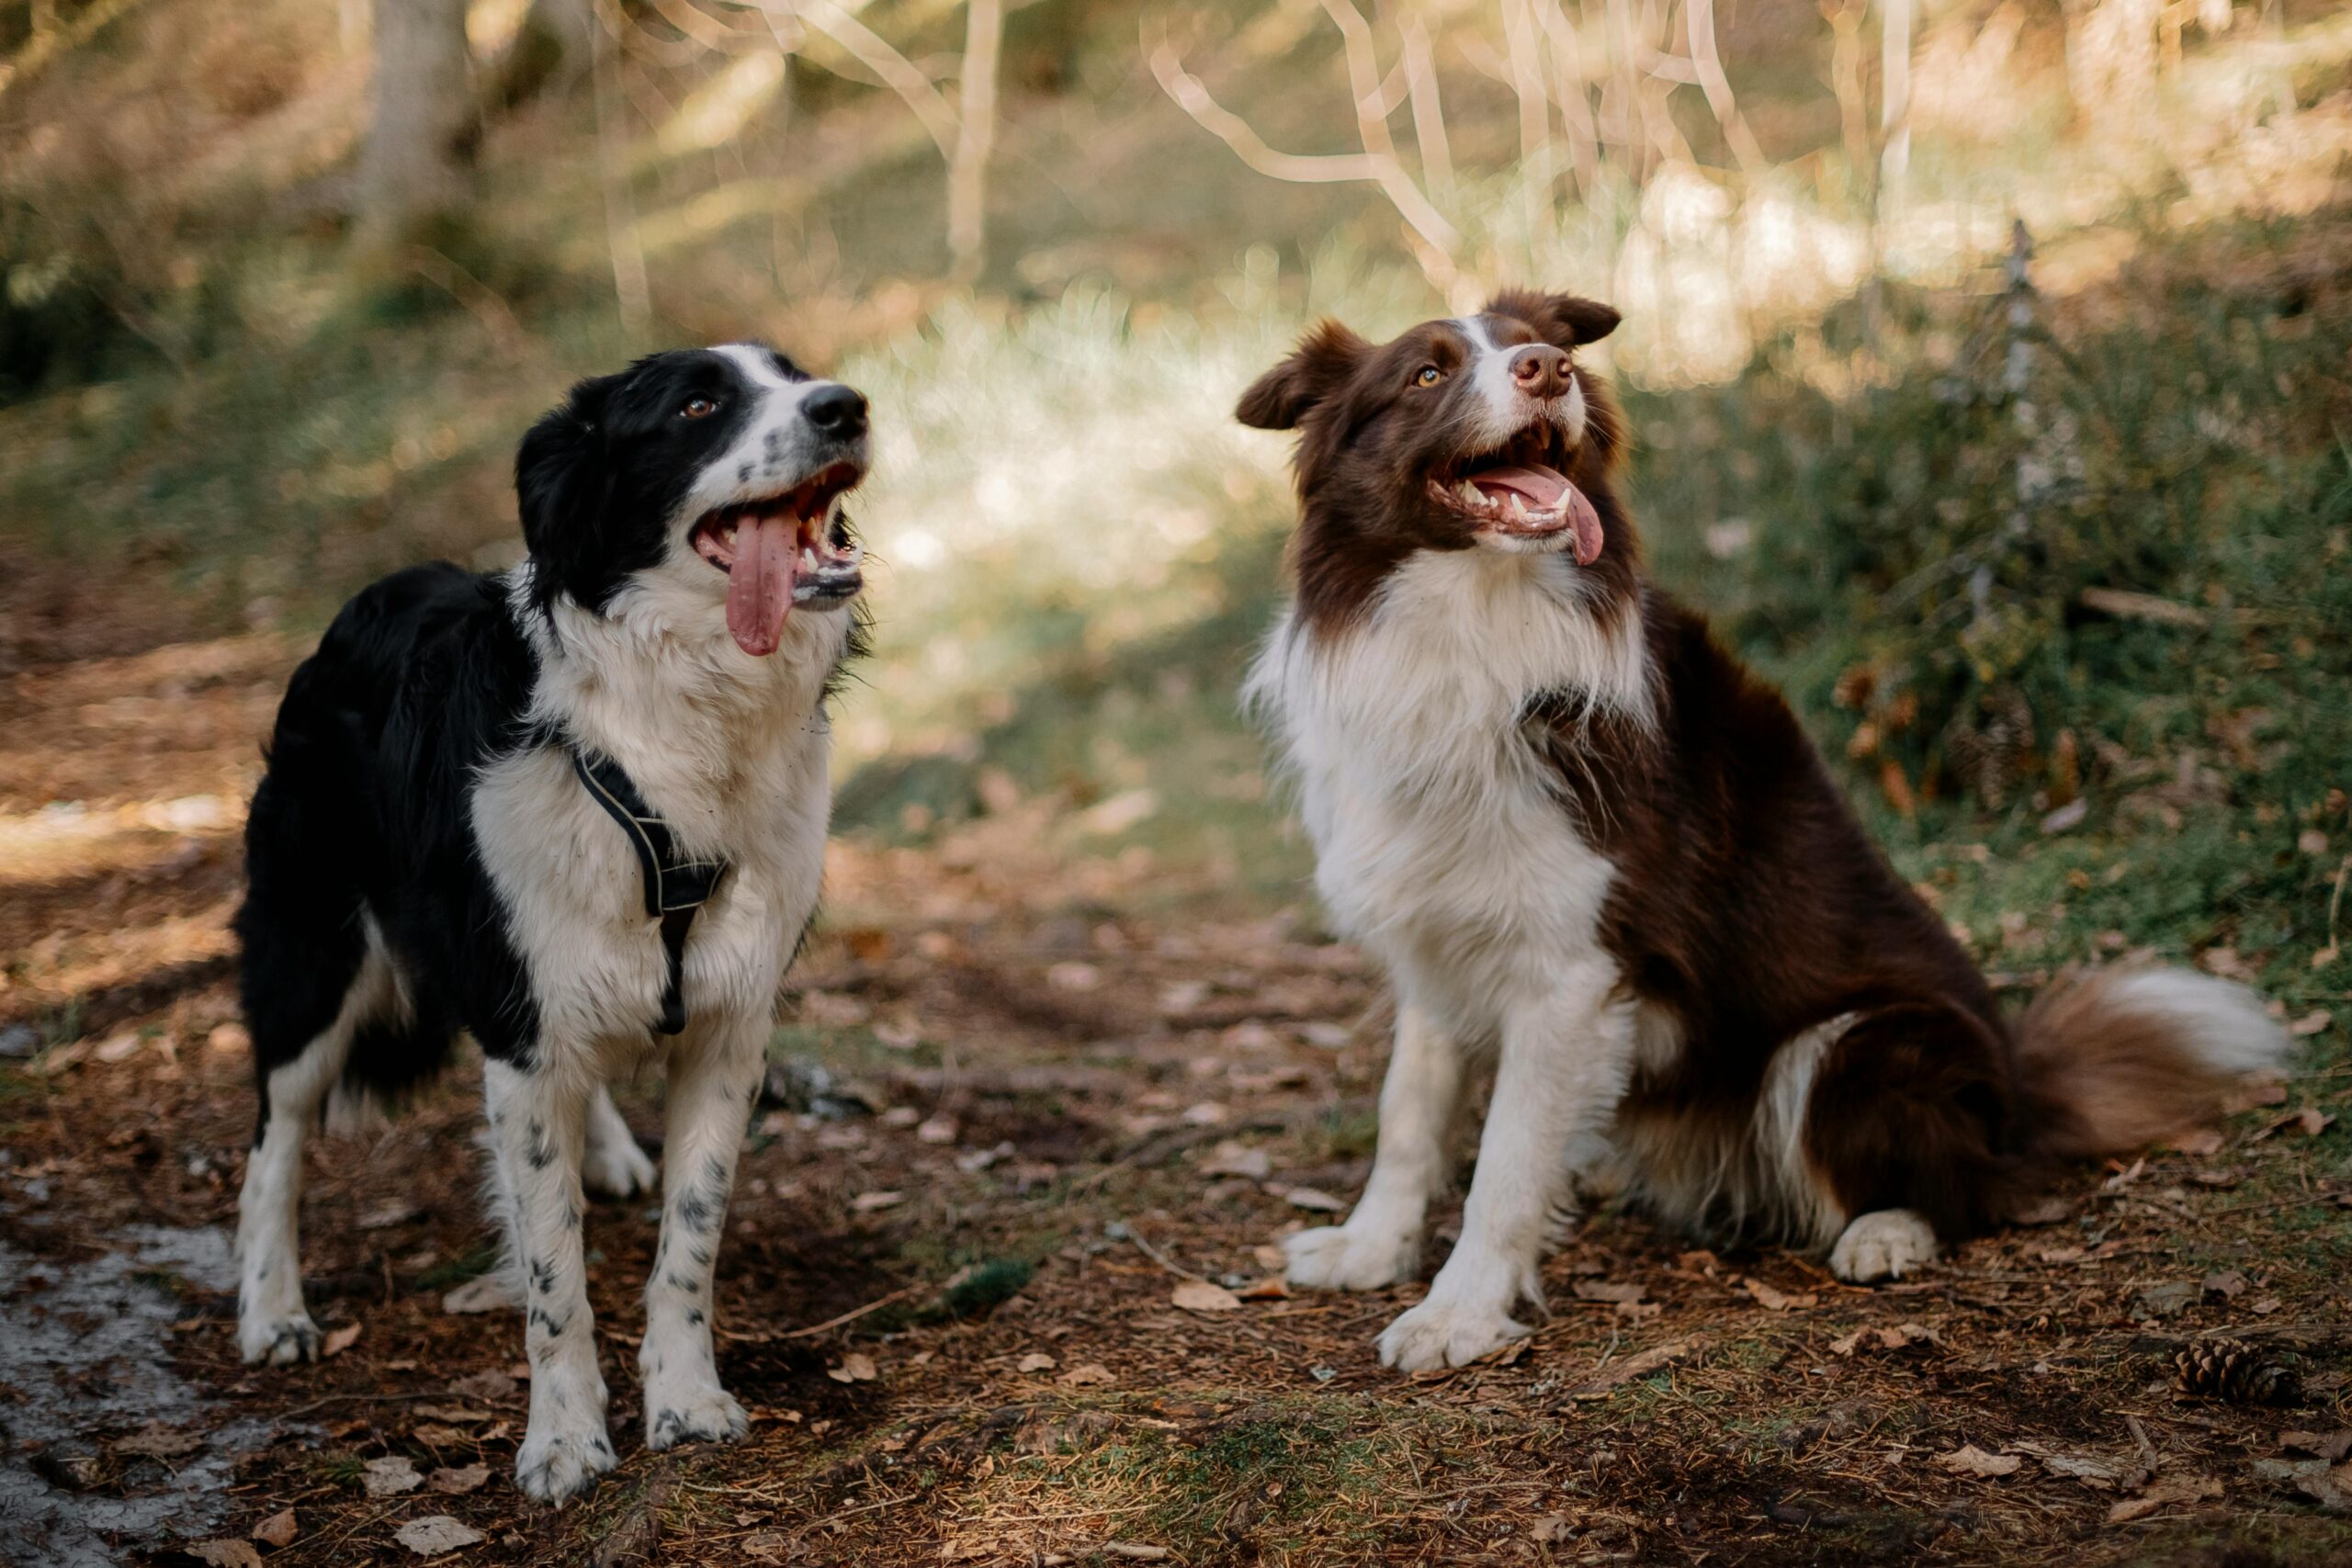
1027,1108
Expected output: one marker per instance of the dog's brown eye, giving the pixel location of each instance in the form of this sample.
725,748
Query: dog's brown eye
1429,376
697,408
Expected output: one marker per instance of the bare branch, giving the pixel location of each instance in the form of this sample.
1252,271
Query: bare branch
1428,116
896,70
1380,168
1701,17
967,170
49,43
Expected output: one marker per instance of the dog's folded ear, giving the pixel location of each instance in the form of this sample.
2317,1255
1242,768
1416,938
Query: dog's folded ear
563,482
1321,364
1567,319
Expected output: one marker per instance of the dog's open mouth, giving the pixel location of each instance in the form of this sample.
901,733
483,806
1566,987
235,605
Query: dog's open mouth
781,551
1520,496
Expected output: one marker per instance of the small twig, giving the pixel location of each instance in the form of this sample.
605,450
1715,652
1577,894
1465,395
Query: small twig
816,1328
1160,1257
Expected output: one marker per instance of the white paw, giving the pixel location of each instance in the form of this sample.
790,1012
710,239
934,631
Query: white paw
1440,1334
1342,1257
554,1466
277,1341
1883,1245
704,1415
616,1167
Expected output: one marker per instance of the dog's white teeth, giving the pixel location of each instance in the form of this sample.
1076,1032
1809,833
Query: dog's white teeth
809,558
1518,508
1470,494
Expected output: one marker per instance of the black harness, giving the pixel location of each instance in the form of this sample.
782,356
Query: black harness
674,886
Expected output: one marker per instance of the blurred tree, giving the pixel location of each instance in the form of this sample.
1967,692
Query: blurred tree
416,169
553,46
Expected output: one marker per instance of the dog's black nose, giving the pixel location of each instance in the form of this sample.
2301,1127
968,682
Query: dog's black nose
836,410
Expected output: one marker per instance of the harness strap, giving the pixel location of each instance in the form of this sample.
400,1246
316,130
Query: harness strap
674,887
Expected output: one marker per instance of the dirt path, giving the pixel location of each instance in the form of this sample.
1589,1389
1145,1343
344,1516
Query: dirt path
1016,1125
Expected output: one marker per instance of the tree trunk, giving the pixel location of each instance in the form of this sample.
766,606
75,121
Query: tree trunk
416,166
976,135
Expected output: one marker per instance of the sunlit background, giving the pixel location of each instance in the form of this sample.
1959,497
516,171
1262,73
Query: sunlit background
1986,360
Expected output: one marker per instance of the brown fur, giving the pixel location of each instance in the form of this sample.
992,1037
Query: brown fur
1749,906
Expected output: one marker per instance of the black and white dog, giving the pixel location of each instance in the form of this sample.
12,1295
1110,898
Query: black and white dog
577,811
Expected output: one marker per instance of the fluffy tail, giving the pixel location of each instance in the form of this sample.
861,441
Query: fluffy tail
2113,1060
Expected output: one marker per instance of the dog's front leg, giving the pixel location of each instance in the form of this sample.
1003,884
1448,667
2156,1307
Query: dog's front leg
1564,1062
1381,1242
712,1087
538,1125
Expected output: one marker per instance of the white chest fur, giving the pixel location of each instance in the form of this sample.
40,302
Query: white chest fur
733,751
1441,842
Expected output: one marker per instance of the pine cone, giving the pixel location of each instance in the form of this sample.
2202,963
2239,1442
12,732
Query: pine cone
2234,1370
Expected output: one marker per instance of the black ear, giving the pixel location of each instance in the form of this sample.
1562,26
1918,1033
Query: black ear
1566,319
563,486
1322,363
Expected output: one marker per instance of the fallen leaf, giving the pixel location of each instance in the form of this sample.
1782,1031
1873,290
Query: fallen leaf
2332,1447
1274,1259
2166,1299
1086,1376
2100,1474
2051,1209
492,1386
2309,1122
1314,1201
228,1037
1231,1158
1970,1460
459,1480
940,1129
389,1476
1037,1361
456,1413
2199,1143
1273,1288
1203,1295
2228,1284
2255,1089
868,1203
157,1440
280,1529
2330,1489
2311,1023
435,1535
1775,1301
484,1293
1601,1291
120,1047
1550,1528
856,1367
338,1340
1640,1364
2161,1494
226,1553
434,1435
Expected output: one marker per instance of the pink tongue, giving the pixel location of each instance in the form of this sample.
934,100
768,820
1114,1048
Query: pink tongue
759,585
1543,489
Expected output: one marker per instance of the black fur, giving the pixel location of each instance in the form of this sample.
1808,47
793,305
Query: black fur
422,680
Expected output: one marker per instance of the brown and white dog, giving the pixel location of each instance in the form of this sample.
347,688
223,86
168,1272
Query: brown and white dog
1585,842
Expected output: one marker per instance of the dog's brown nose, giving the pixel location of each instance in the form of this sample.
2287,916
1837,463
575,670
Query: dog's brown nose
1539,370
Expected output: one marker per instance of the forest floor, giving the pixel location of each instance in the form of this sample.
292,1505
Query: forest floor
963,1291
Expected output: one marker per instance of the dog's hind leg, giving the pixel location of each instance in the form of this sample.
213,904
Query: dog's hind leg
1905,1129
302,1033
712,1088
613,1166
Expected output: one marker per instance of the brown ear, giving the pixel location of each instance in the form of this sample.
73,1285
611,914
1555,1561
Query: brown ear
1323,361
1559,316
